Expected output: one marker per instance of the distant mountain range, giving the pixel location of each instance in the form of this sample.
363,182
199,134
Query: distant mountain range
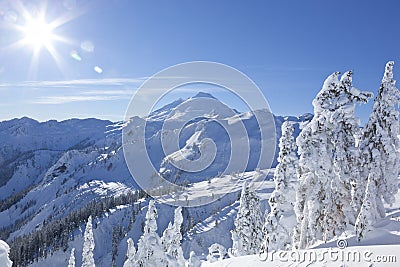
52,169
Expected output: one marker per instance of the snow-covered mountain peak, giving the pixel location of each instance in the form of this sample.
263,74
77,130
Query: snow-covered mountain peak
165,112
54,171
204,94
197,107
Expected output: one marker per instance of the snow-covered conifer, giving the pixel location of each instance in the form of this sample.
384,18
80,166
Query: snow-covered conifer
193,260
130,254
248,224
281,220
368,215
150,252
71,262
318,215
236,245
88,245
380,151
167,236
329,163
346,160
4,254
171,240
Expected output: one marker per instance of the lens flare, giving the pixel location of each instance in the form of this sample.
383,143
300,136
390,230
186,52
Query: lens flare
98,69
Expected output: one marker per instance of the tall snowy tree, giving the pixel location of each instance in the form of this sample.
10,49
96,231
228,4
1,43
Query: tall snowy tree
171,240
71,262
380,152
247,235
329,163
314,195
320,214
346,160
281,220
130,254
88,245
150,252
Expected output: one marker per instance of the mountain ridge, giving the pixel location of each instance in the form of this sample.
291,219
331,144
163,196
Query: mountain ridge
54,169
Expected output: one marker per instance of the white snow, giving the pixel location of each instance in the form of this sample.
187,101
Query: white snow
81,164
4,251
380,247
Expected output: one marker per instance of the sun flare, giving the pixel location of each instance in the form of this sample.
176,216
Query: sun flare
38,33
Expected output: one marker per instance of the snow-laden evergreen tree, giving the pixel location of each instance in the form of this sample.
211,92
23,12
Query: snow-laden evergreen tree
193,260
236,244
71,262
248,224
346,160
167,237
130,254
171,240
368,215
314,197
281,220
150,252
319,217
88,245
380,152
4,255
329,165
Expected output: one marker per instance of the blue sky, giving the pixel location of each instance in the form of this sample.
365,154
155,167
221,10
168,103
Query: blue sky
287,47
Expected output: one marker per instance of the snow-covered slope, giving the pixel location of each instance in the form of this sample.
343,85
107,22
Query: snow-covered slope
220,124
28,148
54,174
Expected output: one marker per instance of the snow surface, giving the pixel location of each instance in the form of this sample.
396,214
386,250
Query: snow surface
65,165
4,250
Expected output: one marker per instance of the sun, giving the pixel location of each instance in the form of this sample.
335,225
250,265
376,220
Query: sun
38,33
35,32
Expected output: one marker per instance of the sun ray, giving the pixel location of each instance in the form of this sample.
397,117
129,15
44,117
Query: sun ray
57,58
67,18
39,34
34,64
